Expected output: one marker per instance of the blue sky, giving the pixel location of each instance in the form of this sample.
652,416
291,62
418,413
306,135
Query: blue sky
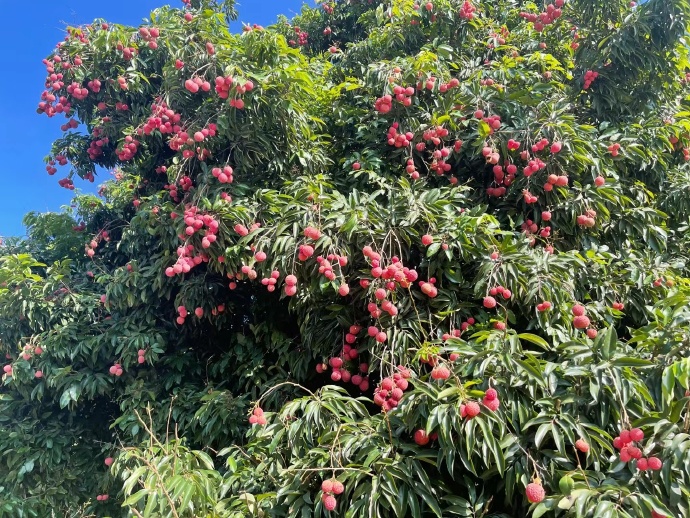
31,29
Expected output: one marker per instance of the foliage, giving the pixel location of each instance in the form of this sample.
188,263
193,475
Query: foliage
511,220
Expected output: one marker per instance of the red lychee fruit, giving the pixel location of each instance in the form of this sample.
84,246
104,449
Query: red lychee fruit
338,487
535,492
581,322
489,302
655,463
491,404
582,445
636,435
421,438
472,409
329,502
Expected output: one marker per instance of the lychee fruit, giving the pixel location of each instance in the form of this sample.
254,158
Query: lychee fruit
535,492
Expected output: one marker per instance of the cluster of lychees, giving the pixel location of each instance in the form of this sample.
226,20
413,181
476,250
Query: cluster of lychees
223,86
340,364
580,320
467,10
185,184
403,94
162,118
223,175
270,282
150,36
490,302
628,451
326,269
128,53
590,77
197,83
330,488
432,136
543,306
116,369
185,261
555,181
196,222
398,139
70,124
493,121
491,155
587,219
59,160
257,417
430,84
90,248
95,146
614,149
390,390
546,17
530,229
302,37
128,150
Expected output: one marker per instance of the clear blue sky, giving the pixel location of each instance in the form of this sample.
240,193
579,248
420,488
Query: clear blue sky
31,29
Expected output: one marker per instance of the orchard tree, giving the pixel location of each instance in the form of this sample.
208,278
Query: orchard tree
385,258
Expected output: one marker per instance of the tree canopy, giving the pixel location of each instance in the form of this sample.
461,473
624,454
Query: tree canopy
385,258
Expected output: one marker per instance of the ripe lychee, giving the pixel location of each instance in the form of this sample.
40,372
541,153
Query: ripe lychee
472,409
421,438
636,435
329,502
581,322
582,445
535,492
655,463
489,302
578,310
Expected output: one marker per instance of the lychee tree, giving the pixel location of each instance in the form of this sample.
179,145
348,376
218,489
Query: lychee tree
385,258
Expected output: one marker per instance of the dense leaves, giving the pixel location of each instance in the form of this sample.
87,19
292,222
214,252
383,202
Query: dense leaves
380,259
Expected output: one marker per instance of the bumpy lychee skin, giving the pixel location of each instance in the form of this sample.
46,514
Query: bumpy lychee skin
655,463
581,322
636,434
491,404
338,487
472,409
489,302
491,394
327,486
440,372
642,464
582,445
634,452
535,493
329,502
578,310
